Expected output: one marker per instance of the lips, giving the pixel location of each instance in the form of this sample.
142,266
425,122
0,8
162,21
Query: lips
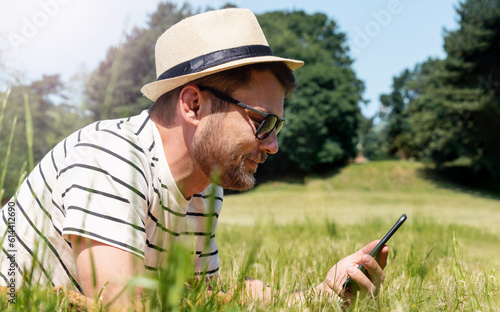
253,163
255,160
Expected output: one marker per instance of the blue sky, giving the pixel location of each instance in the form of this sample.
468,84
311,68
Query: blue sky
63,36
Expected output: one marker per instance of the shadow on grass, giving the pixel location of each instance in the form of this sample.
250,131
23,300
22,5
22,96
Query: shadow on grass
463,179
297,176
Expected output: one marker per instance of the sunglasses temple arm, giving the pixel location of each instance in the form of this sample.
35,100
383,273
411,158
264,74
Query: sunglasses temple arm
231,100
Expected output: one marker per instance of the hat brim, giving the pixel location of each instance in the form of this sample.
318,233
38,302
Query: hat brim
156,89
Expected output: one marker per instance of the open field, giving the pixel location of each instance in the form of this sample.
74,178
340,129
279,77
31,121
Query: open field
311,225
381,191
444,258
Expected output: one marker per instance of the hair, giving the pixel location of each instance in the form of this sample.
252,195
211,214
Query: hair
164,109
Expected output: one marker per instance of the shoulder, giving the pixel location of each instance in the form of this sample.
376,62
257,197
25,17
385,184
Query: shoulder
120,147
116,135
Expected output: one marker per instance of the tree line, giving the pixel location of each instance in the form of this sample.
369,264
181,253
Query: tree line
439,112
447,111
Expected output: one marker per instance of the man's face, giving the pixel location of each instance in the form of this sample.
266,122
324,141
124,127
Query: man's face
225,147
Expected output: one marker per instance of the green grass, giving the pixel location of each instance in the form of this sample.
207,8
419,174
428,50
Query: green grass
444,258
422,274
311,225
363,192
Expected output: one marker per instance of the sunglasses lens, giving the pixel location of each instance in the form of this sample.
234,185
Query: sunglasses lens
266,126
279,125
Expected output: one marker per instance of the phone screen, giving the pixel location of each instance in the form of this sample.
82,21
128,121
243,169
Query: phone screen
349,283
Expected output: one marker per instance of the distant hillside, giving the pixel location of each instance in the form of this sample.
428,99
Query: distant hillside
357,192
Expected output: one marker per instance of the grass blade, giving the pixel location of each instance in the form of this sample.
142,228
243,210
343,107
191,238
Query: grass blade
29,131
115,68
7,156
4,105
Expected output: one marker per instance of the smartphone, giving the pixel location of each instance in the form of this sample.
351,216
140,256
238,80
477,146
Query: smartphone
349,283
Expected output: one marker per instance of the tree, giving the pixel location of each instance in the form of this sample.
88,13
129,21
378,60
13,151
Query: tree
452,106
398,132
41,95
472,70
371,137
113,89
323,117
38,117
460,109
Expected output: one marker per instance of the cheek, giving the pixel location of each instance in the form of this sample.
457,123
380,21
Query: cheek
240,143
238,129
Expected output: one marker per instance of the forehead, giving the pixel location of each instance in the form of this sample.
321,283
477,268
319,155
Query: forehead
264,92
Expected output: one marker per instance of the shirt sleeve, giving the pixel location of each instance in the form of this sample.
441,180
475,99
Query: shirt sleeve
104,192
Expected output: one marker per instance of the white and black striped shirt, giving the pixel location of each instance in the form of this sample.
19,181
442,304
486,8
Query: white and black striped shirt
110,182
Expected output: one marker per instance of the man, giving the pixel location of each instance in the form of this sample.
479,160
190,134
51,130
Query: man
107,201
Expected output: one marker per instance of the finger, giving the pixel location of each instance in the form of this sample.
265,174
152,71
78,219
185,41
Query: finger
374,270
382,257
368,247
334,285
364,283
329,282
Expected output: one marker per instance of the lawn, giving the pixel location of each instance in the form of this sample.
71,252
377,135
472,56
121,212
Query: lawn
444,258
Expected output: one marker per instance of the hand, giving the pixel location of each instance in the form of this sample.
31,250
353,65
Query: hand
251,290
348,267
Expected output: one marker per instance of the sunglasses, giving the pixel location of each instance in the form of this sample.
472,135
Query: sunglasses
266,126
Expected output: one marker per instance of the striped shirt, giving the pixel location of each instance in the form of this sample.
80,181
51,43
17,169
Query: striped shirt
110,182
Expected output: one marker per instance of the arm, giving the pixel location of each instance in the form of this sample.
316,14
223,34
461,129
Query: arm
98,264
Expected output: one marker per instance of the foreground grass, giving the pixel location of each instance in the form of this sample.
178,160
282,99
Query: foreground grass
444,258
426,269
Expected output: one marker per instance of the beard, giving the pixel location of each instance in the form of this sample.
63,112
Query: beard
222,161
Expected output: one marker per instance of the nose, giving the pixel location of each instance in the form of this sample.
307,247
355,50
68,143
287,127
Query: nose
270,144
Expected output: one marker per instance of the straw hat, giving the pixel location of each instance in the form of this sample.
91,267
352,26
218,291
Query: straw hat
208,43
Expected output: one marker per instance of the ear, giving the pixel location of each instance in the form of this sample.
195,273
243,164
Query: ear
192,104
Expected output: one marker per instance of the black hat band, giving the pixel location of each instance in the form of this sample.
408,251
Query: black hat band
215,58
